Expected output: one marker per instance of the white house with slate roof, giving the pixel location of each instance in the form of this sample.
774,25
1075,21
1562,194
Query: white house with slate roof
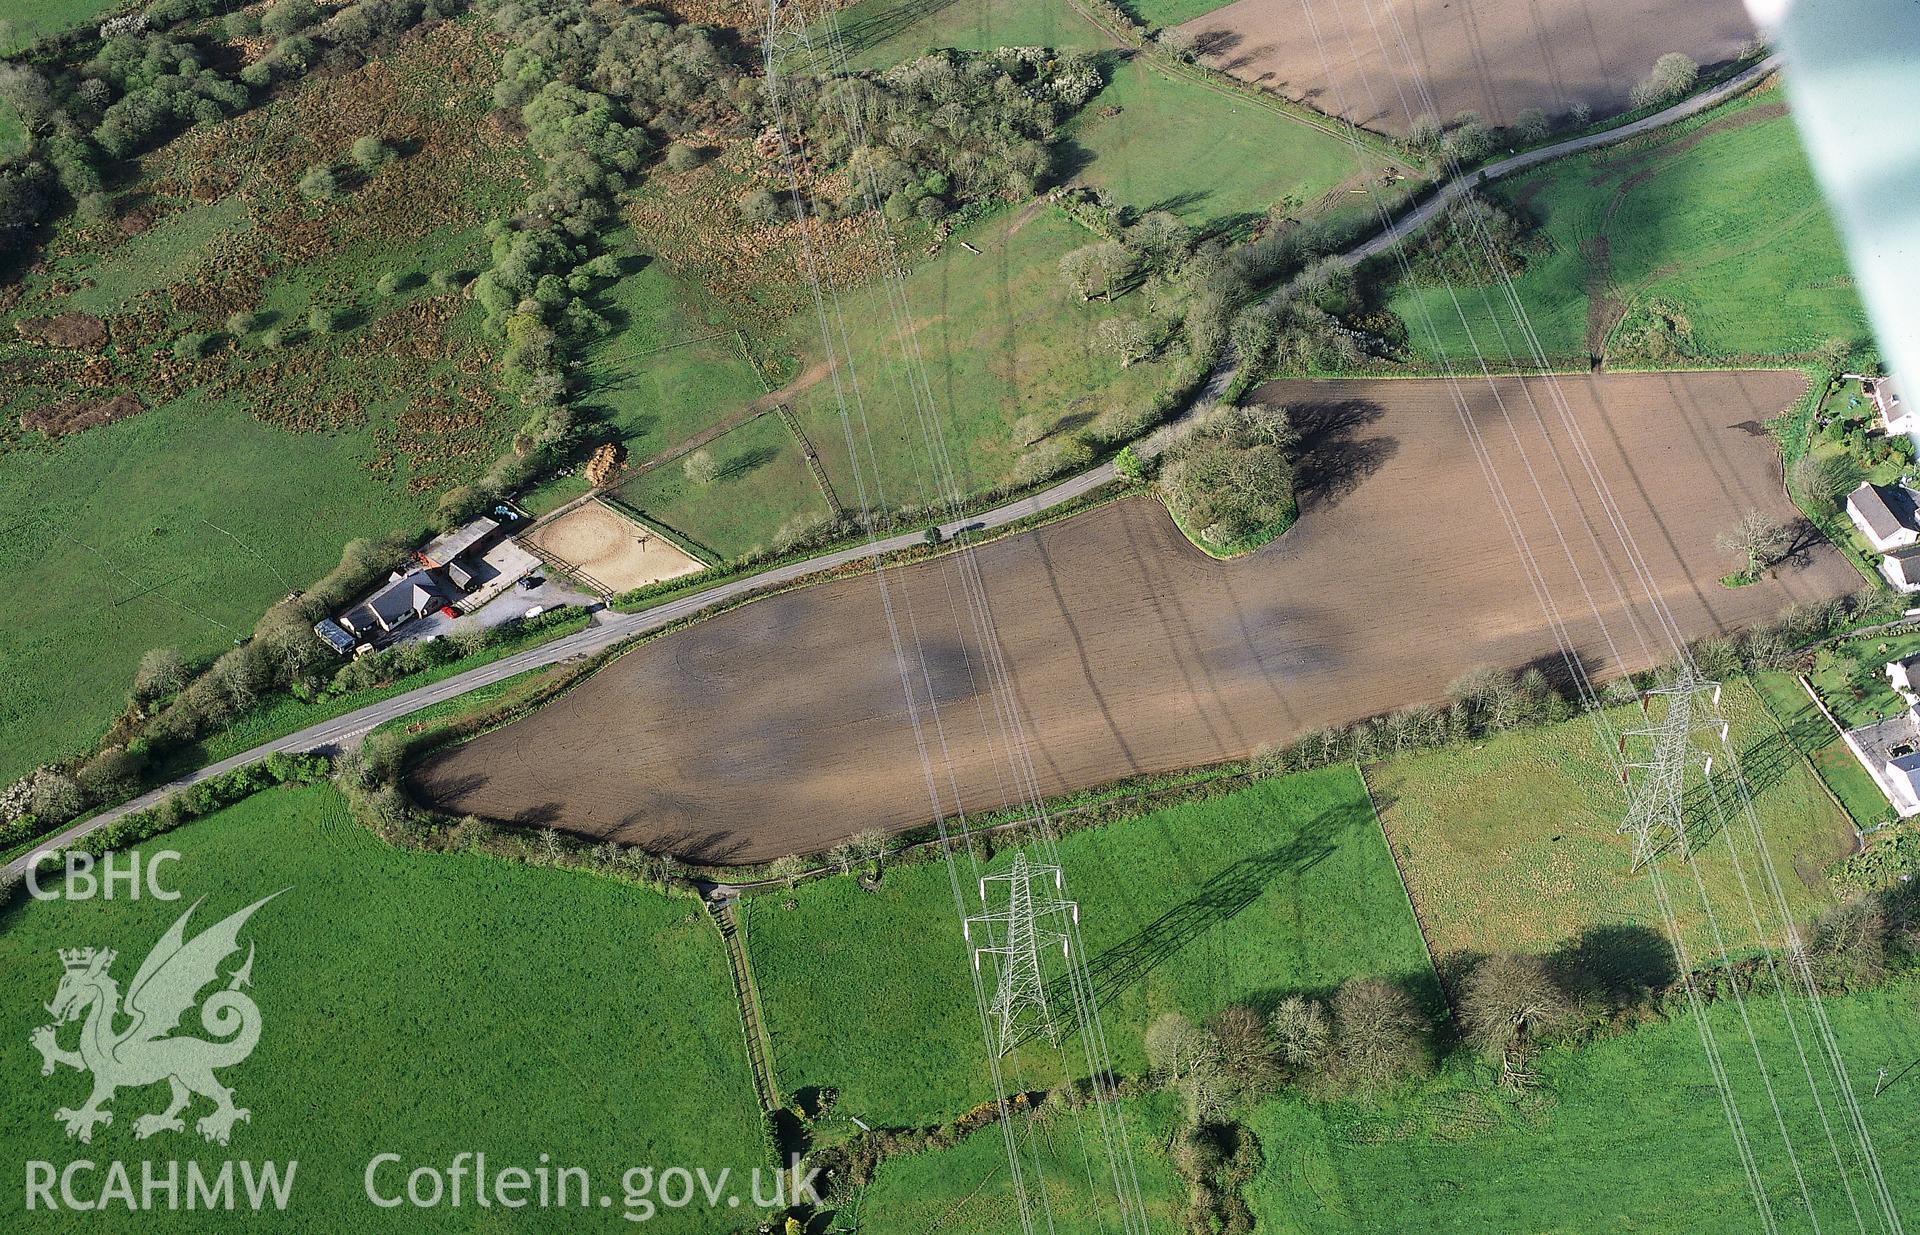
1890,749
1884,516
1895,413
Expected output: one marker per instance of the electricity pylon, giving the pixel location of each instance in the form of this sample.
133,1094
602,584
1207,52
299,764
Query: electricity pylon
1656,801
1024,927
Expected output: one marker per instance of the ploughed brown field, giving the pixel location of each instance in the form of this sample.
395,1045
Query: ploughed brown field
781,727
1494,57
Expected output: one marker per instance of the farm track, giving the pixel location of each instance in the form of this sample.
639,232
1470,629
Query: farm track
780,727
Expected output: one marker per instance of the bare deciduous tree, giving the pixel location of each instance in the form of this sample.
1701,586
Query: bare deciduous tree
1672,76
873,844
1081,270
1379,1039
1116,264
161,673
1175,1046
787,869
1126,338
1302,1032
1758,540
701,468
1247,1056
1507,1003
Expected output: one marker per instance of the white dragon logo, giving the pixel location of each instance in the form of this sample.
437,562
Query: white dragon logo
146,1051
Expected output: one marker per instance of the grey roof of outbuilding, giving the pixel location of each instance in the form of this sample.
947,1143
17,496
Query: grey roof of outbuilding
334,635
445,548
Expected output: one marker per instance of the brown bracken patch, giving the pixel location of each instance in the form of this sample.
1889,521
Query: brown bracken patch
81,331
74,414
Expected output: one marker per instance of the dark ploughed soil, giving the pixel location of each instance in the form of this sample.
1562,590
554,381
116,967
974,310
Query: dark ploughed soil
1494,57
781,727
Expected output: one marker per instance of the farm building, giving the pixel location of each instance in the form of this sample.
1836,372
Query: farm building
446,551
406,596
1885,516
462,569
1905,675
1902,569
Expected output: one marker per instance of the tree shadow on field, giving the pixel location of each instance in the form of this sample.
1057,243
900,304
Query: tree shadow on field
1217,42
1070,158
1334,460
1803,538
748,461
1615,965
1179,201
1225,895
617,318
858,35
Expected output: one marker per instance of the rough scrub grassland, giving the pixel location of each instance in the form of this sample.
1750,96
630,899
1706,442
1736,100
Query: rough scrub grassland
242,471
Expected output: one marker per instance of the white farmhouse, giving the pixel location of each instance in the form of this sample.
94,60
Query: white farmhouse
1905,677
1896,416
1884,516
1890,749
1902,569
1902,784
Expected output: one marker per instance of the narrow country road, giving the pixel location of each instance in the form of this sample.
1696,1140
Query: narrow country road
1453,190
350,728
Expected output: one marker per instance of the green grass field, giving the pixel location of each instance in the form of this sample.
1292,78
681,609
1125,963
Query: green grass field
1459,1155
1001,336
1816,739
763,487
413,1004
965,1191
174,249
110,554
1709,240
880,33
664,373
1234,158
1281,887
1162,13
33,20
1513,844
251,468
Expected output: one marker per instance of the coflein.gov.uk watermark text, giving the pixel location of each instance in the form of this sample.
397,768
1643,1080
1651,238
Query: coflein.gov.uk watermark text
470,1180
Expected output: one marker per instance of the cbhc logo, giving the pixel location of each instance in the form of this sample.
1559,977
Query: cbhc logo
83,877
